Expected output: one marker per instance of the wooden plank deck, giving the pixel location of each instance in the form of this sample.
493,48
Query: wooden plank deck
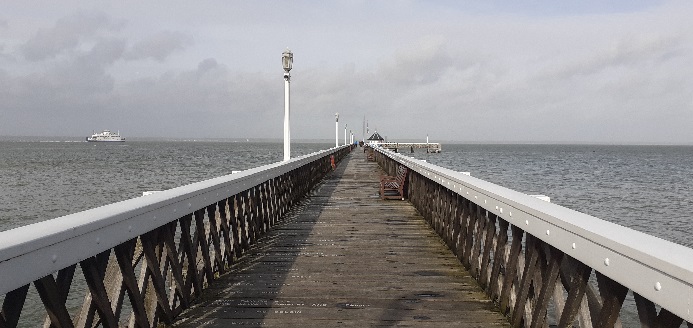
347,258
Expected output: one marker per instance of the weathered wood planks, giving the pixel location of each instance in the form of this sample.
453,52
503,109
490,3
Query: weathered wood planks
347,258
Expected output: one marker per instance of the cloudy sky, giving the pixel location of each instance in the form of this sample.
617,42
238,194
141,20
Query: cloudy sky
470,71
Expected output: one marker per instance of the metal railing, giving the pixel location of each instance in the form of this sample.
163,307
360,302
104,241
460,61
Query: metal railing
544,264
144,260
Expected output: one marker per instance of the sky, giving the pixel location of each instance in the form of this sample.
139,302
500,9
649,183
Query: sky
468,71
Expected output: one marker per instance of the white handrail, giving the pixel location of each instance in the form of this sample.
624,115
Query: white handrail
33,251
657,269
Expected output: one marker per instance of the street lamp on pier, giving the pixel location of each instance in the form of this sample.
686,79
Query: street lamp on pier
336,129
287,63
345,131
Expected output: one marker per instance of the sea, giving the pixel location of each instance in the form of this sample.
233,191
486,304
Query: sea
646,188
41,180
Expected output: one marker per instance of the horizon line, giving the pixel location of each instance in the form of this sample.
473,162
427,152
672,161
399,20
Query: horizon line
327,140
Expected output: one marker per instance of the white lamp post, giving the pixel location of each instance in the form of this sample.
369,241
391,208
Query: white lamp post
287,63
345,130
336,129
427,149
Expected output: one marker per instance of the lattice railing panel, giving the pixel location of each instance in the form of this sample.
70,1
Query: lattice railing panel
533,283
151,278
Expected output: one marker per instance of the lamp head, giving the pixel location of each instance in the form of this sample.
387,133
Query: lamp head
287,60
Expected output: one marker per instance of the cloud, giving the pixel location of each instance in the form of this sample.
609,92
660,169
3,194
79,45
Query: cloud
579,79
4,55
159,46
453,75
3,25
103,53
208,100
82,76
61,96
66,35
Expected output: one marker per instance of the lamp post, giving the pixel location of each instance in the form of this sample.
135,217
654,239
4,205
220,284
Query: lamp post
345,130
427,149
287,63
336,129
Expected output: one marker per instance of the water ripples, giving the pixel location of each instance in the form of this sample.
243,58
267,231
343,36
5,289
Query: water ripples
646,188
46,180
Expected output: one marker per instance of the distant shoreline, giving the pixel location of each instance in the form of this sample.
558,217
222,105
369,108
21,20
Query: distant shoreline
331,141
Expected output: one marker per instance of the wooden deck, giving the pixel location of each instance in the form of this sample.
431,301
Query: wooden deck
347,258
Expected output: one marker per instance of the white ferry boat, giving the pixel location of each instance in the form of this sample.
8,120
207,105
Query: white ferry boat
106,136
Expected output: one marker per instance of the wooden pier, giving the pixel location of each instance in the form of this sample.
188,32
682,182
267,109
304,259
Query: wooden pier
298,244
405,147
346,258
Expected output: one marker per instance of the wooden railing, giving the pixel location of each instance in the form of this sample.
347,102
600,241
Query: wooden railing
546,265
144,260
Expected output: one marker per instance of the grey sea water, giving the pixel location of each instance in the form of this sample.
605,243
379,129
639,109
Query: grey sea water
45,180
